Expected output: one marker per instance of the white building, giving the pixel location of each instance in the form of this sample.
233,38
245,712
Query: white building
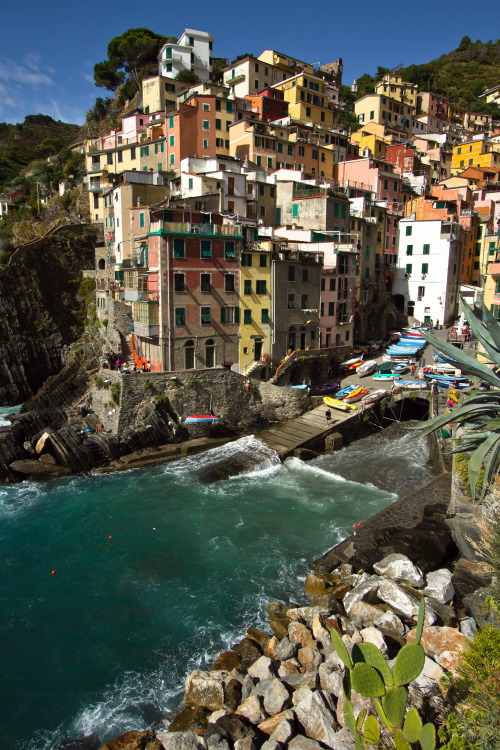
426,275
193,51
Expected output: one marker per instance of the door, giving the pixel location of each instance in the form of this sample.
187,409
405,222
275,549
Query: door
257,350
210,353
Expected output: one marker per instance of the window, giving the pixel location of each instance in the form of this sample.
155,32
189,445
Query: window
322,309
230,315
408,231
229,251
367,252
205,143
408,268
229,106
303,301
190,183
172,140
206,107
332,284
427,249
218,124
247,316
269,162
291,301
247,286
264,315
421,293
260,285
179,282
172,159
179,248
409,249
206,125
425,268
180,316
132,153
336,210
331,308
206,249
141,219
263,261
205,282
206,315
342,211
291,273
305,274
295,210
246,259
259,160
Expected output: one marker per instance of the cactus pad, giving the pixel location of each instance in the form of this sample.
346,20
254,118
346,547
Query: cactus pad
367,681
409,663
420,621
400,742
427,737
412,726
371,731
394,704
340,648
374,658
349,715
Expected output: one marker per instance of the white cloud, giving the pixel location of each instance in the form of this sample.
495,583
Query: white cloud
31,73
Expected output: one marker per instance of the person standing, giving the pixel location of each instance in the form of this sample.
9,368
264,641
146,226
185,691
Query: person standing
412,370
328,415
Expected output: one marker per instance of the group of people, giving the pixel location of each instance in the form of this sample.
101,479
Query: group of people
114,362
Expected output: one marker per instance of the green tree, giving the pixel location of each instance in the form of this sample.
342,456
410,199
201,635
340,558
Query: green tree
366,85
187,76
127,54
465,42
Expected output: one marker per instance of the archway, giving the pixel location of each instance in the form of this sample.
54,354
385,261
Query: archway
210,353
102,264
189,355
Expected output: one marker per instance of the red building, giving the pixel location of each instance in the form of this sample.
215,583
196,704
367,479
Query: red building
268,104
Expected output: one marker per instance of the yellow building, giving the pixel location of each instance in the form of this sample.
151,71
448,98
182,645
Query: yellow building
285,62
256,308
384,110
477,153
160,93
307,99
375,142
395,88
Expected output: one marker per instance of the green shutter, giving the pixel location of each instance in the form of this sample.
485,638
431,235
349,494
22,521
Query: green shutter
223,315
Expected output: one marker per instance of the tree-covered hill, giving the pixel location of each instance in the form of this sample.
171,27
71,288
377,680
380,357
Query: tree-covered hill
37,137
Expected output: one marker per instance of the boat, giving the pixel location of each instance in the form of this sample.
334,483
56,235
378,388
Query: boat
201,419
325,389
367,368
357,395
350,362
336,404
385,367
344,391
373,396
411,385
443,369
460,383
385,376
400,368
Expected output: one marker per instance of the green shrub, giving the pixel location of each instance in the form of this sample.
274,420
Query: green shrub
115,390
475,691
191,382
99,382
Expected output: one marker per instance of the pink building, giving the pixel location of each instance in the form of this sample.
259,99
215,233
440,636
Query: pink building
378,175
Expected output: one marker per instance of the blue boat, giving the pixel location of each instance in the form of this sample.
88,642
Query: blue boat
345,391
325,389
201,419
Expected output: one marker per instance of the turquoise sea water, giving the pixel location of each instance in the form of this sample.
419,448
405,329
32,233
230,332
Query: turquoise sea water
104,644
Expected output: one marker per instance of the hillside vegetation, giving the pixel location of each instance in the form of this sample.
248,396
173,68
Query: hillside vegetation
36,138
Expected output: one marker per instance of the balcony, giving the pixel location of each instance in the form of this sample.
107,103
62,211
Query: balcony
180,227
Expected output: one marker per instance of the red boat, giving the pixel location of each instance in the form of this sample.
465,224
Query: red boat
201,419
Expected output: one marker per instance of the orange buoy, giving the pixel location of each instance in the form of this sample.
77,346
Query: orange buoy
110,537
53,572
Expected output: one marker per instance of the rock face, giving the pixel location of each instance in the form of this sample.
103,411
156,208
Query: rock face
39,309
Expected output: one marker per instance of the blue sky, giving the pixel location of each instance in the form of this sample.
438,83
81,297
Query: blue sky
48,50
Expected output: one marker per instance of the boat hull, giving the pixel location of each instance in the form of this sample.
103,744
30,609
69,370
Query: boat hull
201,419
335,404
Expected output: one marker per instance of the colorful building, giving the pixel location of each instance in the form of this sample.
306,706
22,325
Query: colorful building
307,99
192,51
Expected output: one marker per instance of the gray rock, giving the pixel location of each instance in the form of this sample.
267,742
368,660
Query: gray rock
468,627
401,601
300,694
400,568
363,615
306,614
439,585
316,719
366,591
216,742
283,732
299,742
310,658
290,666
270,745
330,680
298,680
390,621
261,686
286,650
206,689
320,633
345,735
180,741
245,743
252,709
261,669
300,634
246,687
277,698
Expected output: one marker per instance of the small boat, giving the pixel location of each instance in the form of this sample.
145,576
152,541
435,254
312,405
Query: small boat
350,362
357,395
370,398
411,385
385,376
299,387
457,383
367,368
201,419
325,389
385,368
400,368
344,391
335,404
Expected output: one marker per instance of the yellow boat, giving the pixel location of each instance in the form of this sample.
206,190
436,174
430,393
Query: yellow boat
354,393
335,404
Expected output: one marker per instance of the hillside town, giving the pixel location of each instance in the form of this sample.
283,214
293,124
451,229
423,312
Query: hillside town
243,225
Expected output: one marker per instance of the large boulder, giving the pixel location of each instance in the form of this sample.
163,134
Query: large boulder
439,586
177,741
402,602
400,568
366,592
317,720
437,640
277,698
206,689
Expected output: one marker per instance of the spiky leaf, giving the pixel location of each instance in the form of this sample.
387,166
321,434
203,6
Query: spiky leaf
394,704
399,741
420,620
349,715
409,663
372,731
358,742
346,684
491,467
412,726
427,737
340,648
381,714
360,719
477,458
481,331
367,681
374,658
463,361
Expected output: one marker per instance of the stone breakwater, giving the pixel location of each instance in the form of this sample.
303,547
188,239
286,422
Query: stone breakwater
283,689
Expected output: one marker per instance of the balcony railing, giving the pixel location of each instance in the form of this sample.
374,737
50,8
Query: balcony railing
181,227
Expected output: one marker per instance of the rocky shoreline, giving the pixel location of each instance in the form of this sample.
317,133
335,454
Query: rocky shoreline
283,689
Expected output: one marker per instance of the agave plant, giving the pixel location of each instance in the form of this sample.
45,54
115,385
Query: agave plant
479,412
